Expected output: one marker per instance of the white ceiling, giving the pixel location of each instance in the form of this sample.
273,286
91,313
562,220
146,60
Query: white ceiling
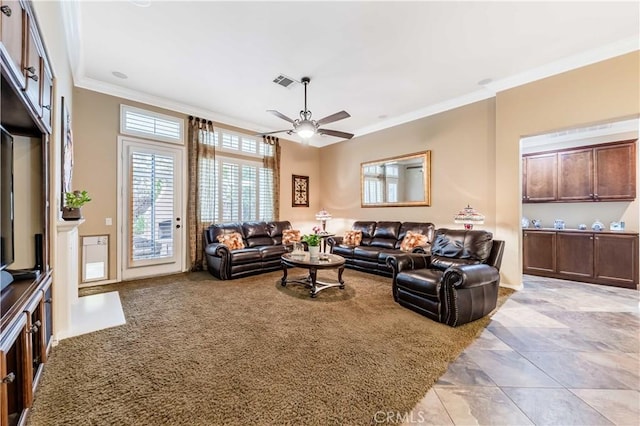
383,62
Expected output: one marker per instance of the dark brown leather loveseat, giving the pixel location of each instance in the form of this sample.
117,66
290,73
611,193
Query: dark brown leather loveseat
263,248
457,284
379,241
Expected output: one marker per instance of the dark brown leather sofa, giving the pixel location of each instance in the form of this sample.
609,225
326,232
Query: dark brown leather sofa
457,284
263,248
379,241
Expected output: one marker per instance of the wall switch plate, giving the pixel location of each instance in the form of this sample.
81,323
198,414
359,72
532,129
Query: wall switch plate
108,221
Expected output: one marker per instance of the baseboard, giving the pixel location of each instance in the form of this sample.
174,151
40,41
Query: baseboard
97,283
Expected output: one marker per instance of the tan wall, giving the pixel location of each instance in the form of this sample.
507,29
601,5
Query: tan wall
49,16
602,92
462,168
96,129
27,192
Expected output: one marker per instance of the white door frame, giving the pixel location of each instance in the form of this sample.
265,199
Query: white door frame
120,216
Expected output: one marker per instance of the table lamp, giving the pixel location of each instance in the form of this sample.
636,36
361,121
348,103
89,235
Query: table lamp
469,217
323,216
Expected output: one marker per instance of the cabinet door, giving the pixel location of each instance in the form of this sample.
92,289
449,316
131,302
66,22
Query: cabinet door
539,252
575,175
12,20
47,96
33,70
616,259
13,380
575,254
541,173
615,172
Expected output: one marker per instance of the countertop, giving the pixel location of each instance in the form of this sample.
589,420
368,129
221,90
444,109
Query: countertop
586,231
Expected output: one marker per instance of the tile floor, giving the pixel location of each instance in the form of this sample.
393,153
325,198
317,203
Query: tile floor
96,312
556,353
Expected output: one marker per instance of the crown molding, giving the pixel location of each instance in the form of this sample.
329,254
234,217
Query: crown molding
569,63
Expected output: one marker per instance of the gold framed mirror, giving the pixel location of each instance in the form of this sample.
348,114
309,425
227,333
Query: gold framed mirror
402,181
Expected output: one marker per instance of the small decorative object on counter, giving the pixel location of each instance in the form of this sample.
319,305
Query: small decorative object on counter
597,225
582,226
558,224
616,226
525,222
536,223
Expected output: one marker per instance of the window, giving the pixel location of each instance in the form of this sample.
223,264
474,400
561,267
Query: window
235,185
151,125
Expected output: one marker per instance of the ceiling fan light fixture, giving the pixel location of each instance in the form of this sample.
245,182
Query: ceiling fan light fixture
306,129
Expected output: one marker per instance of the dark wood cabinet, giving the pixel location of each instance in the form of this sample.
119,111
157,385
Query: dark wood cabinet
609,258
539,252
615,177
14,380
605,172
575,175
540,180
575,254
616,260
25,304
13,17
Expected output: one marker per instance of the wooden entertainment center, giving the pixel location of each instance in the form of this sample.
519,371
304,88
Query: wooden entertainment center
26,113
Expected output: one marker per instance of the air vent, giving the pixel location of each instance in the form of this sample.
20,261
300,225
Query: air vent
283,80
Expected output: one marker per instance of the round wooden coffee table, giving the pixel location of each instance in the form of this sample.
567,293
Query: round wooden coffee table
325,261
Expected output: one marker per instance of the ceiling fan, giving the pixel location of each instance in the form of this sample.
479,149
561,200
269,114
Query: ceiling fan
305,127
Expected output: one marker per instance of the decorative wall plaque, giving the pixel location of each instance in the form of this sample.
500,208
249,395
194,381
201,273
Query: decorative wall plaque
300,191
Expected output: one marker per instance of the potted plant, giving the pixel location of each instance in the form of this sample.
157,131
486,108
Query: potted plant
313,241
73,201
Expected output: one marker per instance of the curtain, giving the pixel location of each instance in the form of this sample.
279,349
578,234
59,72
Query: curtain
200,135
273,162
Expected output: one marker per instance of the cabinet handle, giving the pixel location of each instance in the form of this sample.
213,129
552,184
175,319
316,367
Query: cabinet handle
46,107
48,300
9,378
33,77
32,70
6,10
595,195
591,238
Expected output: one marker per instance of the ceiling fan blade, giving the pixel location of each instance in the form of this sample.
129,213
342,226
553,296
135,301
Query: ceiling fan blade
334,117
335,133
270,133
279,114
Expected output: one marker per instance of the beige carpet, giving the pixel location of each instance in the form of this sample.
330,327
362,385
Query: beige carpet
198,351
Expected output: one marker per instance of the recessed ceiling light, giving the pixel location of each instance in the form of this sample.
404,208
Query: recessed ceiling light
485,81
141,3
382,116
120,75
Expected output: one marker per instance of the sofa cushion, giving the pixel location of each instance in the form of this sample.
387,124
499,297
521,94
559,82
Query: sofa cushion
352,238
460,247
272,252
387,230
247,255
412,240
421,281
424,228
366,253
343,250
384,254
291,236
276,229
367,228
232,240
256,234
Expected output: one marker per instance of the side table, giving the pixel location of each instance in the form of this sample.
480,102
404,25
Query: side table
323,237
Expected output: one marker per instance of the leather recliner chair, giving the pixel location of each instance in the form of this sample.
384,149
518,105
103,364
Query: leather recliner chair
457,284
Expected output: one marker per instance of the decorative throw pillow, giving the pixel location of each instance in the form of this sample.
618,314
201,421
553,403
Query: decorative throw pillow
352,238
232,240
291,236
412,240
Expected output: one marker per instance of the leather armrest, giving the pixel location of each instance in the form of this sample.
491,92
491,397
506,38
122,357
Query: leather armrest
405,262
216,249
469,276
426,249
334,241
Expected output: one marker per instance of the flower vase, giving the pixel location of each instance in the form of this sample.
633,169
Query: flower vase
314,252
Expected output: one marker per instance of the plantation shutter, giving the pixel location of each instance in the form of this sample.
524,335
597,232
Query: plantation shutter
152,206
